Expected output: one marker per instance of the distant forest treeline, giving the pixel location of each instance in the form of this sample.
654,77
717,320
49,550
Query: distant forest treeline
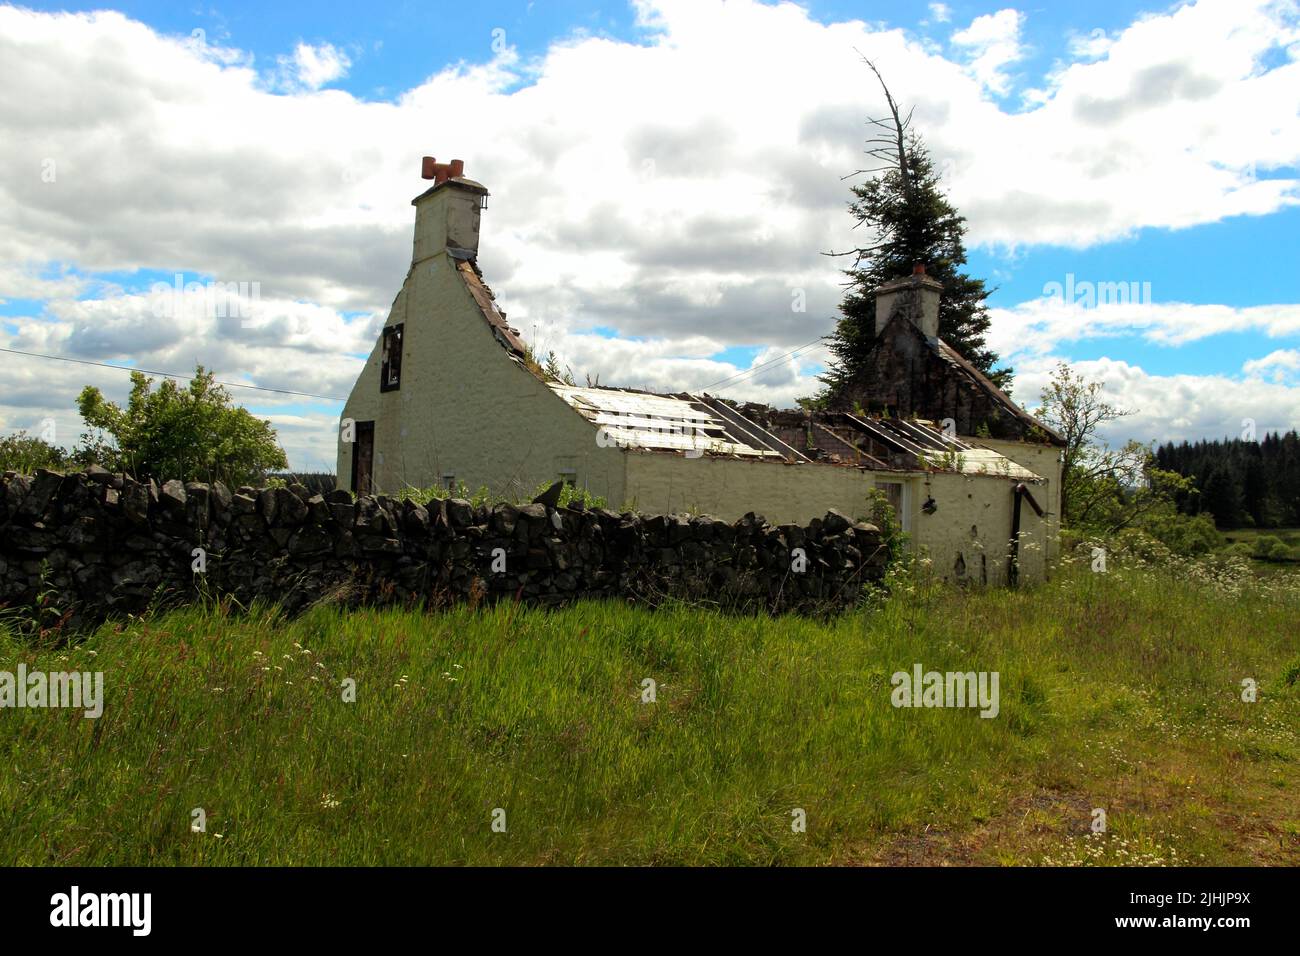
1241,483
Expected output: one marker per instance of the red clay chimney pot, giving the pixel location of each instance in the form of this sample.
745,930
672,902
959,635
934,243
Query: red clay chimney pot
430,168
918,269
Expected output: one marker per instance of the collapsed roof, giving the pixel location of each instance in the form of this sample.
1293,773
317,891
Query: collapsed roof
688,423
699,425
980,381
934,449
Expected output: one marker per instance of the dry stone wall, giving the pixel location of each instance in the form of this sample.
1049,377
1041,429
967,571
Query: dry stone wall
93,545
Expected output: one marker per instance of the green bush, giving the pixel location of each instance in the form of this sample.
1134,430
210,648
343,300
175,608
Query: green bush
190,433
1183,534
25,453
1269,547
1141,545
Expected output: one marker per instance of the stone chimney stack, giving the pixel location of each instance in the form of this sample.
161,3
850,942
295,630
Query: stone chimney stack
447,214
917,295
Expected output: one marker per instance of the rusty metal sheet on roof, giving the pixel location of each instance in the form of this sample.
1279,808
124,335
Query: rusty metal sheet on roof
633,419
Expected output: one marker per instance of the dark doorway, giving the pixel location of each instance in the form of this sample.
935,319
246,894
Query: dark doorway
363,456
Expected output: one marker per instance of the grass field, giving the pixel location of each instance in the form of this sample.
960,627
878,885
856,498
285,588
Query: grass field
1119,691
1288,536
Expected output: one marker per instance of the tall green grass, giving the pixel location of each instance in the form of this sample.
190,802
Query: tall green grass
1108,682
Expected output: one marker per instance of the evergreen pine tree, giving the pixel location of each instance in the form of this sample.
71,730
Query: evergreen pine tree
1222,498
904,210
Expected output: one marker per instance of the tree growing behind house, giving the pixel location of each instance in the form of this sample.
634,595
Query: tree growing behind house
1106,491
193,432
903,212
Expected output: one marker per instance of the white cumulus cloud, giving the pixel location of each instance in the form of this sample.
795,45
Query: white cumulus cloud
311,67
676,189
992,42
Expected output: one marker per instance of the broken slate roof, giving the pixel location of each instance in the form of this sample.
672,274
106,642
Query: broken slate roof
486,301
979,380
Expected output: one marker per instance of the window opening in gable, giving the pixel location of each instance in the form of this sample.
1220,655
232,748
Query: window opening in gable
390,369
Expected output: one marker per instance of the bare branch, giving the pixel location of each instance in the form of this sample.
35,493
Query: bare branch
900,129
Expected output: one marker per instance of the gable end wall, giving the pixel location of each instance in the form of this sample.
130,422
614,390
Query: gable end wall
465,407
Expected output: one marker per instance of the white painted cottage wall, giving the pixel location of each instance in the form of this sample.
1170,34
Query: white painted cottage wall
972,518
1044,461
465,407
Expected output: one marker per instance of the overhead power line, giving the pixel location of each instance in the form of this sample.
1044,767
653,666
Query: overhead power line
729,382
182,378
733,380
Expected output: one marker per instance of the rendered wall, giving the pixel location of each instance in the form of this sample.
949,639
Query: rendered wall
727,488
1044,461
972,518
967,538
465,407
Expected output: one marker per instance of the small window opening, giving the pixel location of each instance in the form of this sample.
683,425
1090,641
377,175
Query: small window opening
390,370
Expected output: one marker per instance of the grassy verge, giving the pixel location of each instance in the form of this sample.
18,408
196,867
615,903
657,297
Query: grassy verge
1119,691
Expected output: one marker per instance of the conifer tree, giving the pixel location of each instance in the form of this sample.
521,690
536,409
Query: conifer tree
904,211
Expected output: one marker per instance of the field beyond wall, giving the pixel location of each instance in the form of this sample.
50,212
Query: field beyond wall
1119,691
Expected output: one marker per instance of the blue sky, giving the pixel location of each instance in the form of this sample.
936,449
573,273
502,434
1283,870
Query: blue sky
395,46
1103,142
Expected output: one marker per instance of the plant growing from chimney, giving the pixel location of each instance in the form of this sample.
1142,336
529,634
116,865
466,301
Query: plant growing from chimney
910,221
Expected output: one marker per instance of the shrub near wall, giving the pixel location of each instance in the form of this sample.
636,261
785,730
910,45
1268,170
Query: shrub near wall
94,544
